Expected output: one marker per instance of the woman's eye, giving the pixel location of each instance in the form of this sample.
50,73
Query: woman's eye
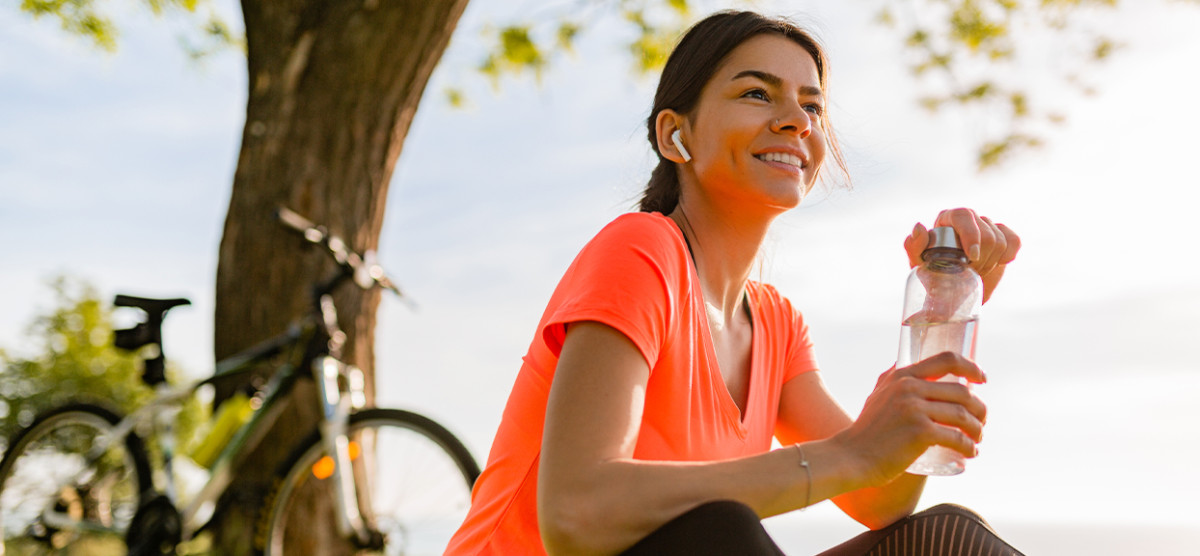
756,93
814,109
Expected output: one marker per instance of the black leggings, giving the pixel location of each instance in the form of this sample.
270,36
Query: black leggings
726,528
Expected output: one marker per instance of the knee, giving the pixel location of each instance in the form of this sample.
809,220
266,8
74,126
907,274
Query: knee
953,509
720,527
726,512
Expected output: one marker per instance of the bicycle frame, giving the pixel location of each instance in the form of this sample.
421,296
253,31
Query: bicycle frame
312,344
339,388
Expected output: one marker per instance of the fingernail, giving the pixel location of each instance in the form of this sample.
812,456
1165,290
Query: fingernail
918,229
974,253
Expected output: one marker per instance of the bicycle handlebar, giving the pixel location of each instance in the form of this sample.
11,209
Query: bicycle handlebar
365,272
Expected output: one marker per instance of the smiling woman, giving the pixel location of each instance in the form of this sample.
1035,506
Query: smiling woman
642,419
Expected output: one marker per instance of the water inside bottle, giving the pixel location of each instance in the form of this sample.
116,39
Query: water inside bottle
921,340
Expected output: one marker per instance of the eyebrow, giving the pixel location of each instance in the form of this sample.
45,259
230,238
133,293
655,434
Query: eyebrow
775,81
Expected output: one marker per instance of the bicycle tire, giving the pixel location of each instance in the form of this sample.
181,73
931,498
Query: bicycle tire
415,453
38,469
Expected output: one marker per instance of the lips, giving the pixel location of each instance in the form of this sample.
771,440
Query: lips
781,157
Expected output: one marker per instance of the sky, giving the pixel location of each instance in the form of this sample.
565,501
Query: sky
116,168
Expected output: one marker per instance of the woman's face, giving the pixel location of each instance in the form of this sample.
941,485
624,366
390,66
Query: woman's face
755,135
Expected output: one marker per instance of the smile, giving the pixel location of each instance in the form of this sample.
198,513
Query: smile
785,158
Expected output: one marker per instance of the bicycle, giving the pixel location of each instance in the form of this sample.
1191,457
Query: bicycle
82,473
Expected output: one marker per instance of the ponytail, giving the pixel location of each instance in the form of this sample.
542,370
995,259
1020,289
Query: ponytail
662,192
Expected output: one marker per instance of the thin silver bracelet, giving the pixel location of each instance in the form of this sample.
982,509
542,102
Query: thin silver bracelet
808,472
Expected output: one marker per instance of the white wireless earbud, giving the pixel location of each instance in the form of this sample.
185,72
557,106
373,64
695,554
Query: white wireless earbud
679,145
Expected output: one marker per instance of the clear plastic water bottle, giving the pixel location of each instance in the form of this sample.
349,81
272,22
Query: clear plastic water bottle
941,313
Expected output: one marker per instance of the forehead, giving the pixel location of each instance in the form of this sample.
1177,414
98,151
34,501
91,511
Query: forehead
773,54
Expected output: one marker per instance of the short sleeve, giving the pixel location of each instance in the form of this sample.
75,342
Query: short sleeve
631,277
802,357
799,355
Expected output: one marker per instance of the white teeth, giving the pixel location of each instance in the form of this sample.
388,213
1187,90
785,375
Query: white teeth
782,157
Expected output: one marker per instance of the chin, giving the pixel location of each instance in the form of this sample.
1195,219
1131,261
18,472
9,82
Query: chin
791,198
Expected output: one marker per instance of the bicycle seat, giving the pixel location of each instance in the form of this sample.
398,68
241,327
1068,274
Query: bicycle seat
154,307
149,332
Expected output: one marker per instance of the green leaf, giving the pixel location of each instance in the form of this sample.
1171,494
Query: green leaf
976,93
650,51
680,6
518,50
970,26
931,103
82,18
1104,48
638,18
934,61
1000,53
567,31
918,38
884,17
455,97
991,154
491,69
1020,104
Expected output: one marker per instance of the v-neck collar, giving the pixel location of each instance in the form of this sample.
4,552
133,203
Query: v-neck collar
736,416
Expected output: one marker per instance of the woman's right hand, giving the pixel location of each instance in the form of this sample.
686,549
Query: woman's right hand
909,411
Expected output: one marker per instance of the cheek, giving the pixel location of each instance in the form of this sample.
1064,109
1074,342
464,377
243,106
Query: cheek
817,150
818,147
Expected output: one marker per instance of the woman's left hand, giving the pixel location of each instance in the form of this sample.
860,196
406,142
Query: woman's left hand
989,246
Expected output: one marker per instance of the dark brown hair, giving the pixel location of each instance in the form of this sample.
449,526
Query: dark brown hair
690,66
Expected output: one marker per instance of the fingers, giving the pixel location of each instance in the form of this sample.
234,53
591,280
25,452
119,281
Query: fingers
967,225
954,403
965,408
943,413
987,244
916,243
1012,244
952,417
953,438
993,246
884,376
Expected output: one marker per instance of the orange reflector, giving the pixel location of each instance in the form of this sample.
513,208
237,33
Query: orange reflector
323,469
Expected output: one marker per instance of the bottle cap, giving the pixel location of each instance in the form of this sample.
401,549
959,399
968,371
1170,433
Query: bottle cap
943,236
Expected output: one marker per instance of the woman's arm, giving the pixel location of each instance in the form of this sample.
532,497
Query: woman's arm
593,498
807,412
904,415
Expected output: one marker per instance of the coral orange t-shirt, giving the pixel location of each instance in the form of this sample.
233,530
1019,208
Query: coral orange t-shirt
636,276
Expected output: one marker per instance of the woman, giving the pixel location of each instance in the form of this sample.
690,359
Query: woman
641,420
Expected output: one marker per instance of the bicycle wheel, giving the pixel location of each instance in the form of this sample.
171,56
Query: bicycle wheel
60,486
419,478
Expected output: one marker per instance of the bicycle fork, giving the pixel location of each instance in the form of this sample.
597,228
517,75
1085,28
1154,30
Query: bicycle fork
332,377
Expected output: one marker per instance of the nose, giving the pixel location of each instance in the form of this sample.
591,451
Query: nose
795,120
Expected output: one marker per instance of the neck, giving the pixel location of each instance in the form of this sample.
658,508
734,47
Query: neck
725,247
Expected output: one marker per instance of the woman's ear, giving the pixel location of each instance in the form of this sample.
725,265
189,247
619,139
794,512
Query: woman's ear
668,128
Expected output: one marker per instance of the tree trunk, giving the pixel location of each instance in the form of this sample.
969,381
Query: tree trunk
333,86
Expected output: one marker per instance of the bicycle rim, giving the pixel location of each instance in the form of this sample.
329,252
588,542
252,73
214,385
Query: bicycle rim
420,477
47,466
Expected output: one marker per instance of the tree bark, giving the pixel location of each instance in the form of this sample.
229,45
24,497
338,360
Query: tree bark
333,87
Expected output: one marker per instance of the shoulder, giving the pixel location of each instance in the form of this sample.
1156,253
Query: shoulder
647,234
783,327
630,276
641,227
768,298
774,308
